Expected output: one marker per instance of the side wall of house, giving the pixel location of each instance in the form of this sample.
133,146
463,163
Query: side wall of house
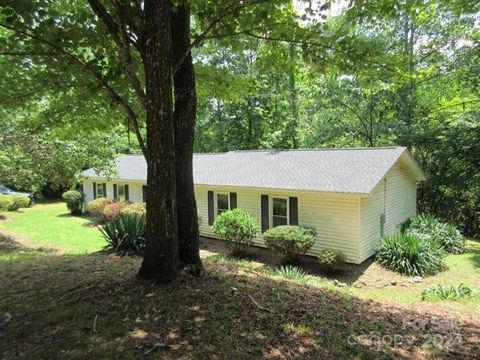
335,216
395,198
134,189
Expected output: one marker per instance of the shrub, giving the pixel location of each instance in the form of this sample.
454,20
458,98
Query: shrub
135,208
291,272
446,234
125,235
237,228
13,202
410,255
290,241
113,210
446,292
6,202
331,260
74,200
96,207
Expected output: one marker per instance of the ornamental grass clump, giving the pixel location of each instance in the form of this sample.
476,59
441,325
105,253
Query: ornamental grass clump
125,235
410,255
236,228
291,242
291,272
446,292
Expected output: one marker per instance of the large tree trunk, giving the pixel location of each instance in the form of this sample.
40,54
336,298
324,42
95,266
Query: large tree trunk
184,119
160,261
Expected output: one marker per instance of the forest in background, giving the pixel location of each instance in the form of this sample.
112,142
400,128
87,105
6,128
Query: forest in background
371,75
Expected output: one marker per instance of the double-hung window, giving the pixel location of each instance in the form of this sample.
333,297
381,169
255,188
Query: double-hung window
223,203
279,211
121,193
100,193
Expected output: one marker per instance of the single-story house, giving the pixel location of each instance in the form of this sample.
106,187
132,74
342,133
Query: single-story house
352,196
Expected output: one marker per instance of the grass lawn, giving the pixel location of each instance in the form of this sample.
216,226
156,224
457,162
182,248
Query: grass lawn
75,305
50,226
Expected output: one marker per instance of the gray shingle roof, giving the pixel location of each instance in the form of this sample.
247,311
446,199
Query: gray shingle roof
355,170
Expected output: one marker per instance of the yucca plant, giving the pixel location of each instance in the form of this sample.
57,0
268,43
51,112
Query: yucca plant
291,272
446,292
125,235
410,255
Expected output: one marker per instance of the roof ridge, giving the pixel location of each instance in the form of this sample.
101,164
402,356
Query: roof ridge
321,149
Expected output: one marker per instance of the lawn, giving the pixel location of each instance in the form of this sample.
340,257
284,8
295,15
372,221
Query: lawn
50,226
75,304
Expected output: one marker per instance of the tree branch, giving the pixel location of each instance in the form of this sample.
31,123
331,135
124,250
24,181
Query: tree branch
110,91
118,32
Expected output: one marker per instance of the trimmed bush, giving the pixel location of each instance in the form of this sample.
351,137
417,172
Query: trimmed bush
446,292
290,241
113,210
6,202
410,255
291,272
237,228
13,202
135,208
74,200
96,207
125,235
331,260
428,227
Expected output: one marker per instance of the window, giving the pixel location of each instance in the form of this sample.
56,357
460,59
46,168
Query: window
223,203
121,193
279,211
100,192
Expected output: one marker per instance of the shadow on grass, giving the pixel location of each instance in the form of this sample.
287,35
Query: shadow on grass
92,220
8,244
102,311
349,273
474,251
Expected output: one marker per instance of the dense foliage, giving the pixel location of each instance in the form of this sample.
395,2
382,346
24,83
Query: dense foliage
290,241
446,292
114,210
96,207
13,202
135,208
410,255
74,200
428,227
331,260
125,235
237,228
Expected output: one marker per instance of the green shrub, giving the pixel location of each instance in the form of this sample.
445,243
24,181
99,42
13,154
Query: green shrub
290,241
446,234
446,292
331,260
237,228
13,202
135,208
291,272
410,255
6,202
96,207
113,210
125,235
74,200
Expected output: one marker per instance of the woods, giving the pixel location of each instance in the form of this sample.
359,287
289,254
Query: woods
268,74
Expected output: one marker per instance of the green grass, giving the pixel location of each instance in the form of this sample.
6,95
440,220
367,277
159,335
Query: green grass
50,226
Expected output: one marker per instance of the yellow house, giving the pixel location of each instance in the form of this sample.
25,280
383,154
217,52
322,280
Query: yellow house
352,196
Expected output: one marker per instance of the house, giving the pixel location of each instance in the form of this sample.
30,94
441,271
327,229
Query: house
352,196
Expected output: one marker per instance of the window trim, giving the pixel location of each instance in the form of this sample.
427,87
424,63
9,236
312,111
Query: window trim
215,203
99,186
270,208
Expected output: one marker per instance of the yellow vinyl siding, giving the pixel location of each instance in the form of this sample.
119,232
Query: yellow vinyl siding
395,196
336,216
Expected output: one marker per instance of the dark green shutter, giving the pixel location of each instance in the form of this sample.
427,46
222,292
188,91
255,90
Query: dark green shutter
210,208
127,195
233,200
115,192
94,190
144,193
104,190
265,216
293,211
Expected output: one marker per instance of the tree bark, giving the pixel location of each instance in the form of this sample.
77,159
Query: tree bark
185,108
160,261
